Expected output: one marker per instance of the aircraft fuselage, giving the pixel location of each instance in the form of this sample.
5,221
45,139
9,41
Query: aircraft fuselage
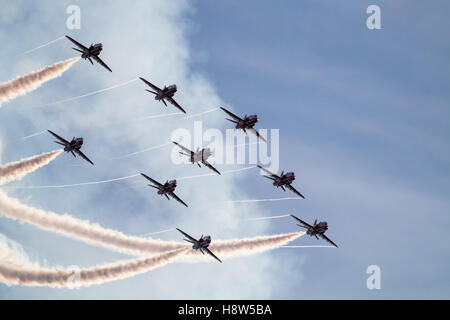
75,144
167,92
248,122
201,155
202,243
284,179
169,186
93,50
318,228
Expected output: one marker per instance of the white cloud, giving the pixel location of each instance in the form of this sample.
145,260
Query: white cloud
149,41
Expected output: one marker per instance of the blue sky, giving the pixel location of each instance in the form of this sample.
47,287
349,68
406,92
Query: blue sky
363,118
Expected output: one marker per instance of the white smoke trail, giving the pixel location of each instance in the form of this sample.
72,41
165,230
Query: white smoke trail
215,174
15,270
142,151
155,116
122,178
17,170
225,249
249,219
200,113
245,144
267,218
34,135
264,200
88,94
307,247
23,84
157,232
78,184
95,234
44,45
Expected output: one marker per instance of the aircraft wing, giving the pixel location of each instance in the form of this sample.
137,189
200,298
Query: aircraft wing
187,236
172,101
301,221
257,134
267,171
328,240
206,163
183,148
100,61
151,85
79,45
59,138
294,190
81,154
177,198
151,180
231,114
212,254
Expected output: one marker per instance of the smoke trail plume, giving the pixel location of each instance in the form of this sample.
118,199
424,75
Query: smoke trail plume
89,94
159,115
34,135
267,218
23,84
200,113
42,46
127,177
17,271
241,247
95,234
215,174
17,170
264,200
142,151
80,184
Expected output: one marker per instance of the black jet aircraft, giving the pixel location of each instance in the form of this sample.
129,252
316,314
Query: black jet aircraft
165,93
245,124
73,146
282,180
90,53
317,229
201,244
198,156
166,189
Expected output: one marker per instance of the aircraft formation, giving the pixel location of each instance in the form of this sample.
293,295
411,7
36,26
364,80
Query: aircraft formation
199,157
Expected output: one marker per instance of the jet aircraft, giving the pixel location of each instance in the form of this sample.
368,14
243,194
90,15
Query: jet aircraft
167,189
90,53
317,229
164,94
283,180
246,123
201,244
198,156
72,146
